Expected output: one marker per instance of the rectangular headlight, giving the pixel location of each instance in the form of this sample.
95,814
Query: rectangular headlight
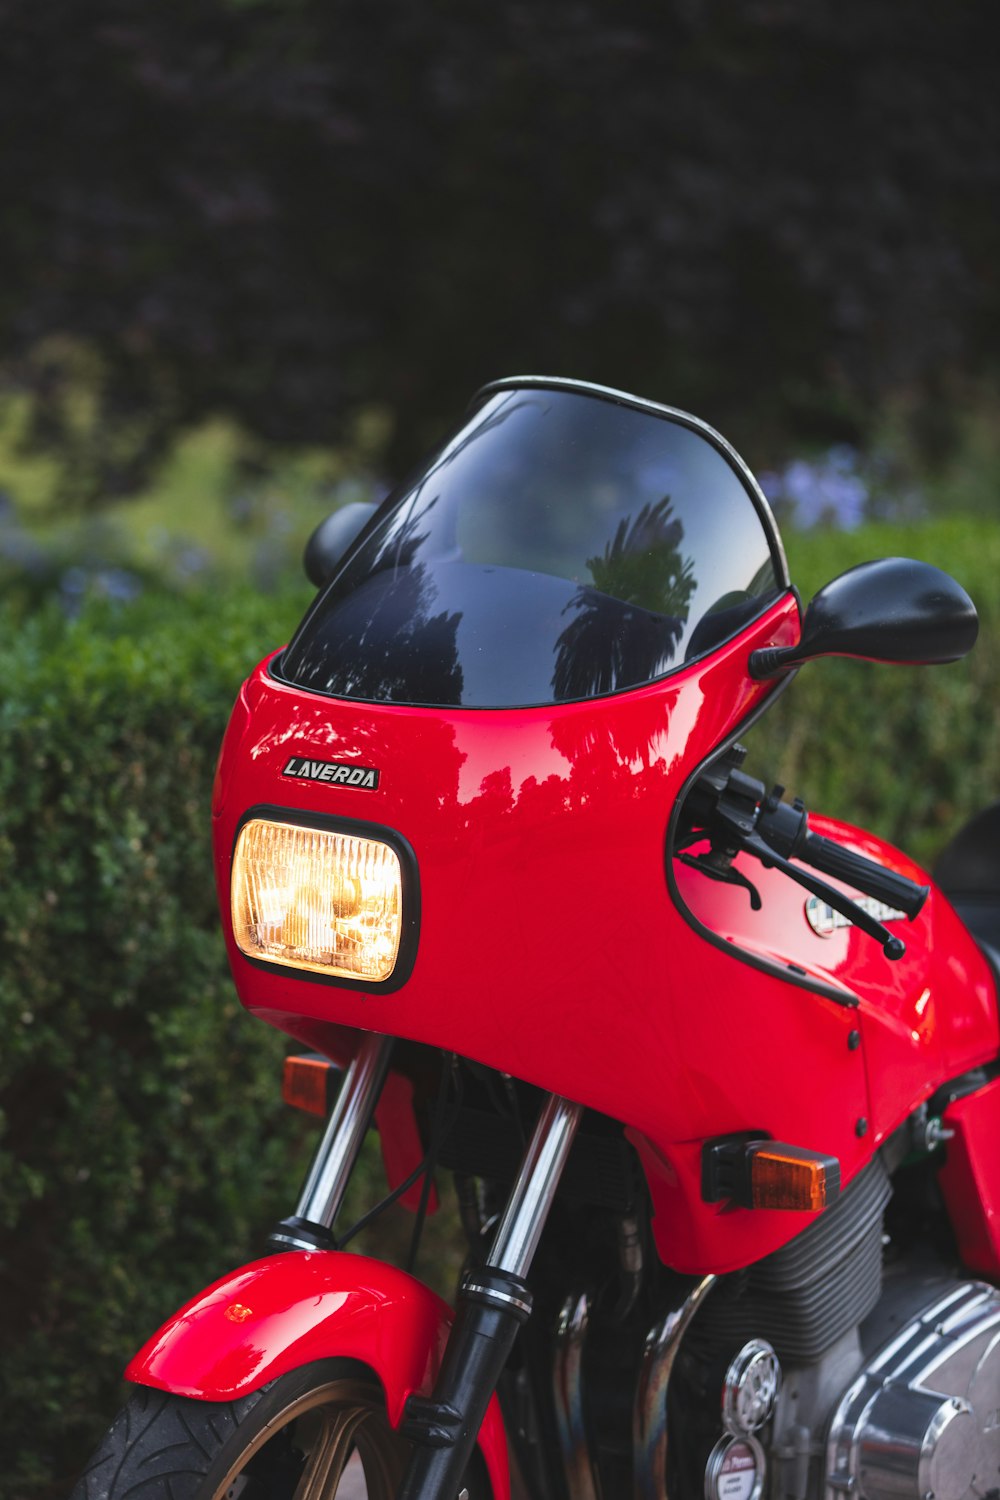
316,899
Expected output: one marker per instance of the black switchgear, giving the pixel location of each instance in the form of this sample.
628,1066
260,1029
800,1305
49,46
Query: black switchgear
732,810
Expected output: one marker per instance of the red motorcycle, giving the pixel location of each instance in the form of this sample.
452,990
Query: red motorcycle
718,1080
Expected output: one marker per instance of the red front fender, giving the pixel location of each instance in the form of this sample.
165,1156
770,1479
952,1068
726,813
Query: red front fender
286,1311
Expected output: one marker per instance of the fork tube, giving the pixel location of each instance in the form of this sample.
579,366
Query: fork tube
333,1163
492,1303
520,1229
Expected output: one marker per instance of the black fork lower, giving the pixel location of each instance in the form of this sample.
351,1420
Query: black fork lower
493,1302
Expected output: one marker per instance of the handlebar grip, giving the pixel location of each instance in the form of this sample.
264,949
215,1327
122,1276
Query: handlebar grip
863,874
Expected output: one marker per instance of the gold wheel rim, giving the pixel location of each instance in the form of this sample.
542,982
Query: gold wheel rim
342,1418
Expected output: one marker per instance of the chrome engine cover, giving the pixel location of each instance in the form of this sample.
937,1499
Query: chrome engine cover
922,1419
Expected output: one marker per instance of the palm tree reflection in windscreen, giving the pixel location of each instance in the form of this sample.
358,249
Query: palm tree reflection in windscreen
629,621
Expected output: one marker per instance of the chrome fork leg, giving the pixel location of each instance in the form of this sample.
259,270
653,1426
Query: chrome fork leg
578,1466
492,1303
520,1228
323,1193
649,1419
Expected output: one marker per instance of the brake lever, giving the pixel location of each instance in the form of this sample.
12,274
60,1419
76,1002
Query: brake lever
722,872
893,947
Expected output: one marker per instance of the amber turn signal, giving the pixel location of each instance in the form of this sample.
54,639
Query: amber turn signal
753,1172
306,1083
780,1179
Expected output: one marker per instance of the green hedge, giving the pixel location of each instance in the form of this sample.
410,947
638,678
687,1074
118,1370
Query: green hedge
142,1145
909,752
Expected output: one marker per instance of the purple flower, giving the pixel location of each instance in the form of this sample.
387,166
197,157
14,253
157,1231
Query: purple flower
830,490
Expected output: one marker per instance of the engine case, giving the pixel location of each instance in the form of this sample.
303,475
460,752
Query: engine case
922,1419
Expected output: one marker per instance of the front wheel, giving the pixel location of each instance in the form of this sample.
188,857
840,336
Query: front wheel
315,1434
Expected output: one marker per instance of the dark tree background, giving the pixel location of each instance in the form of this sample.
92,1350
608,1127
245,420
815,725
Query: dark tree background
771,211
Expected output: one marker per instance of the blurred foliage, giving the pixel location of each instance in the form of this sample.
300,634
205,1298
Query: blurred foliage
918,461
142,1142
770,213
944,458
908,752
144,1148
220,507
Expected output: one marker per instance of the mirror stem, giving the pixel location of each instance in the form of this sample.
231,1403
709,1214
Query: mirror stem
770,660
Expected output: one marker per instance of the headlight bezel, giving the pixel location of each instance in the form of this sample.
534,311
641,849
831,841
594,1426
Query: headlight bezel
348,828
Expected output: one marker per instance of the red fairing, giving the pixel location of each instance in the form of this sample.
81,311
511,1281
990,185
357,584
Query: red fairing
284,1312
552,947
970,1178
399,1139
928,1017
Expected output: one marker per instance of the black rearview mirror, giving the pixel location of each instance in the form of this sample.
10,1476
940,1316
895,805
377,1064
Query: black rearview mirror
893,610
332,538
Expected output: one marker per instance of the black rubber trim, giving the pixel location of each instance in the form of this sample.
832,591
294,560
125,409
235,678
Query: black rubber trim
669,413
357,828
962,1086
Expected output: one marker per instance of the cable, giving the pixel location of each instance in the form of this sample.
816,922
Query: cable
403,1187
437,1138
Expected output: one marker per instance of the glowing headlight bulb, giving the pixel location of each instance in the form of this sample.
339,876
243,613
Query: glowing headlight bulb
325,900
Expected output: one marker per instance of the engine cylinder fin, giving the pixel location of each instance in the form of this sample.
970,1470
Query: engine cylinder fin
807,1294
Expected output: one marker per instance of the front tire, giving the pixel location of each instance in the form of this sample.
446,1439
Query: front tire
317,1433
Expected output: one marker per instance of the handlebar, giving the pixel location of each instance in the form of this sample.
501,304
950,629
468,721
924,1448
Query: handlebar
738,814
786,830
864,874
